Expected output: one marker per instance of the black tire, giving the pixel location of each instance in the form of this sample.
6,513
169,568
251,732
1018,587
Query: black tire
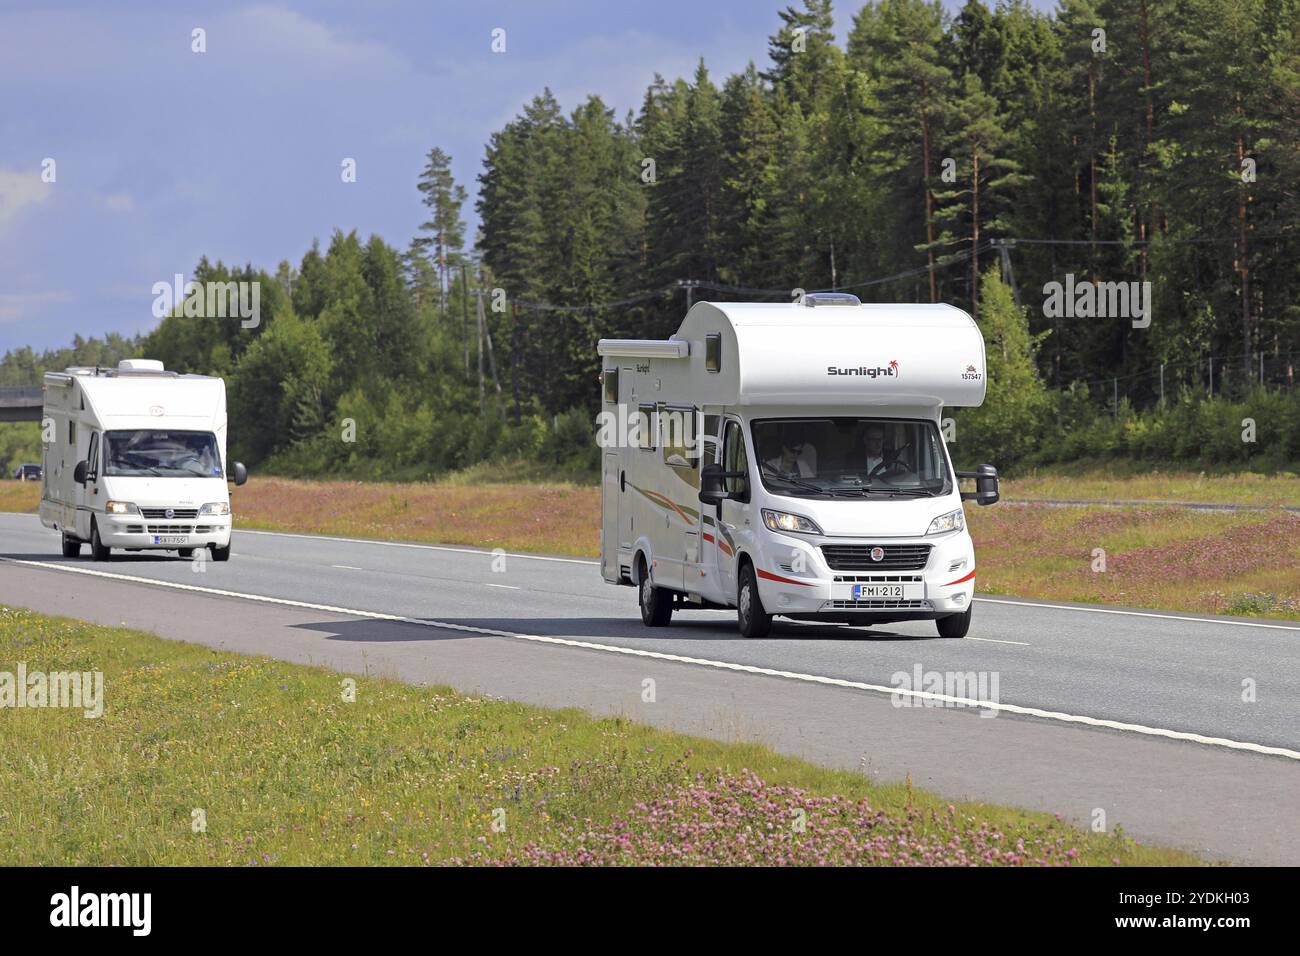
221,554
955,625
71,546
98,550
750,614
185,552
656,603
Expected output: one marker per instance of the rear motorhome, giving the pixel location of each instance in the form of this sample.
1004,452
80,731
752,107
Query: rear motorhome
789,460
135,458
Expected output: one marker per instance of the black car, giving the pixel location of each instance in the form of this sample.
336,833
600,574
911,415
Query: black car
28,472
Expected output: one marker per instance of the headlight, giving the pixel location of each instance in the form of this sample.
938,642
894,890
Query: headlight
215,508
120,508
781,521
952,521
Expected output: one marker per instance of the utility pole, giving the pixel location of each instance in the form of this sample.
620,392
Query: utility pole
464,312
478,312
485,336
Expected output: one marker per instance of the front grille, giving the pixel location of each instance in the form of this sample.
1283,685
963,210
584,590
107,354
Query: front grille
857,557
878,579
176,513
170,528
135,529
876,604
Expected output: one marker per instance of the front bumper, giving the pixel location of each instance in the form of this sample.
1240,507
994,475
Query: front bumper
795,579
134,532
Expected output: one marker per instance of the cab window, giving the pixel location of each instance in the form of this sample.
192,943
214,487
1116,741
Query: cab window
734,457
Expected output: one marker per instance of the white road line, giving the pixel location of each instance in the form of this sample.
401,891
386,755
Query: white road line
512,587
990,640
703,662
346,567
422,547
587,561
1162,616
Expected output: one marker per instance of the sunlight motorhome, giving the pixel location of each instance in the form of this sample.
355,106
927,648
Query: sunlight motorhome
788,460
135,458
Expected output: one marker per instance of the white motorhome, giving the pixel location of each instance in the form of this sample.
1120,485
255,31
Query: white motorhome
135,458
789,459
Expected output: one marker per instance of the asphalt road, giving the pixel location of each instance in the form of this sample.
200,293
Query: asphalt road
1139,715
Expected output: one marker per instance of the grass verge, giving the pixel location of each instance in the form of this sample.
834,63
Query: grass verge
281,769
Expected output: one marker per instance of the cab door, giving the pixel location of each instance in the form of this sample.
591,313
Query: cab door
86,496
733,519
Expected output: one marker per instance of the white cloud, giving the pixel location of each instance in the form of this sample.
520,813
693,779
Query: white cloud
19,189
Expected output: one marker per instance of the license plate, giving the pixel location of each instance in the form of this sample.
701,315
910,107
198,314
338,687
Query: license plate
171,539
896,592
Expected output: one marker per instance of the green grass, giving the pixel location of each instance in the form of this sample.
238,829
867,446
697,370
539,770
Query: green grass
1120,481
286,771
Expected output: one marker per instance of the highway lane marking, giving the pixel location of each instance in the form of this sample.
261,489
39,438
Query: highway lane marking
990,640
422,547
1059,716
346,567
542,557
512,587
1162,616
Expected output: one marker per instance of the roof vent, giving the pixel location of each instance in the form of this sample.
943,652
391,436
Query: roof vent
139,365
814,299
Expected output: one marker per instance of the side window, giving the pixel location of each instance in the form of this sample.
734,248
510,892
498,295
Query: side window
92,457
680,447
610,381
734,457
647,427
713,352
72,434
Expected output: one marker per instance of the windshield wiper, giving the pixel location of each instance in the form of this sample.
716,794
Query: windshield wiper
906,492
798,483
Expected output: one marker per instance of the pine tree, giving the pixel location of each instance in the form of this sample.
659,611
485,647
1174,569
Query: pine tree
443,233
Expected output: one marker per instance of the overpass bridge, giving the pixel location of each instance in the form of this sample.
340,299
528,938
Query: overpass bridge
20,403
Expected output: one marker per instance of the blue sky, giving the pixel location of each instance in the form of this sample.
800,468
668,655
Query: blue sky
163,155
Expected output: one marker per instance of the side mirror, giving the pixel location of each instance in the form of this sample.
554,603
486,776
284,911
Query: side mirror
986,485
79,473
713,488
711,484
238,473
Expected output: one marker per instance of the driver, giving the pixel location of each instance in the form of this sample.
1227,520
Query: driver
875,442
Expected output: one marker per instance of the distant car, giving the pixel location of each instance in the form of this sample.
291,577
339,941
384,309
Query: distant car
27,472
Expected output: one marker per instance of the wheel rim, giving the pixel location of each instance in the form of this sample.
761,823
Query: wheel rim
744,602
645,592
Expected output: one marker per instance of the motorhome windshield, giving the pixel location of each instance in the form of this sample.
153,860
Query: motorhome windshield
163,454
849,456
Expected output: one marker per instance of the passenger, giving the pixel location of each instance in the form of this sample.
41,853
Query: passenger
798,458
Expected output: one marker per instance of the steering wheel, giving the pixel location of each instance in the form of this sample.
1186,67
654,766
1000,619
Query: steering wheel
895,464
